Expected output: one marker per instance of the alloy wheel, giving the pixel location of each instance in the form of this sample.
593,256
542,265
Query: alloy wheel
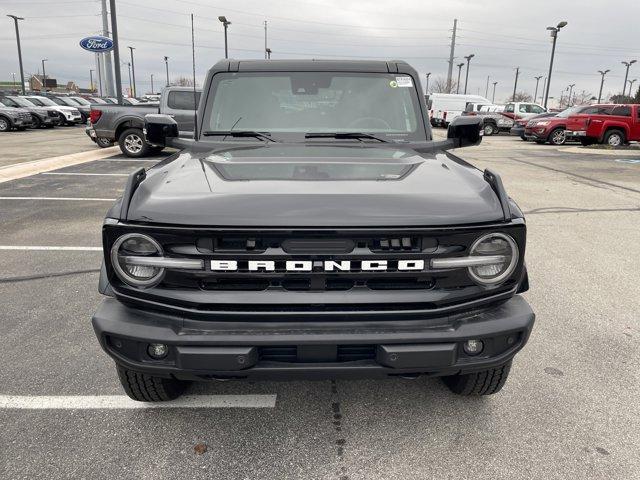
133,143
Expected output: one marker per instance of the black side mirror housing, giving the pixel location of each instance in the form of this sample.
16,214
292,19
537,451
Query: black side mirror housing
466,131
158,128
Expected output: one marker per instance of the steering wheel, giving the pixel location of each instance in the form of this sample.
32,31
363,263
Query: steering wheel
367,121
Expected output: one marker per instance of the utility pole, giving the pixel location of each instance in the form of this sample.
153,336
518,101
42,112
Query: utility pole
603,73
44,76
468,59
554,34
166,65
426,90
91,80
152,84
133,71
452,54
486,90
515,85
265,40
106,56
626,75
493,100
535,97
460,65
544,87
116,50
226,24
570,92
15,21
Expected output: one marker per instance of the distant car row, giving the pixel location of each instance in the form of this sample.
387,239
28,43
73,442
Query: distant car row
19,112
613,125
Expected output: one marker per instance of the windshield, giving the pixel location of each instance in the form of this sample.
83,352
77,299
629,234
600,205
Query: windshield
279,103
66,101
569,111
80,100
43,101
23,102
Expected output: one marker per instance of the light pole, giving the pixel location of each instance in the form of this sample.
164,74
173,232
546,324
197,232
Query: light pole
570,92
486,90
226,24
14,80
133,71
152,83
268,50
166,64
515,85
468,59
626,75
544,87
426,90
631,82
493,100
602,83
91,80
130,84
15,21
460,65
44,76
554,34
535,97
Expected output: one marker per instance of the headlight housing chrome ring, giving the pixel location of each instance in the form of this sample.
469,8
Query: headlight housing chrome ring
493,244
139,245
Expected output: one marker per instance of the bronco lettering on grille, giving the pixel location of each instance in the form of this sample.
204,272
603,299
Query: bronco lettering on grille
317,266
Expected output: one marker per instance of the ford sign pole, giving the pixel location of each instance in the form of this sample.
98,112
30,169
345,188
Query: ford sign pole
116,50
15,20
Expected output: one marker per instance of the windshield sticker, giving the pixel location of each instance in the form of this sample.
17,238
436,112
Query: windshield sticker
404,82
393,84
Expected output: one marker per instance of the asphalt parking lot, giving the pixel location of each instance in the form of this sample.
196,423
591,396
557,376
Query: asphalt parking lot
569,410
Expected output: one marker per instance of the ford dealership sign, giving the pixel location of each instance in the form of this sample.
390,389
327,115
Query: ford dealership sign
97,44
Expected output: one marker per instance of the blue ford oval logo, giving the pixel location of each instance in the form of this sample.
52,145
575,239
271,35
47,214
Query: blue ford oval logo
97,43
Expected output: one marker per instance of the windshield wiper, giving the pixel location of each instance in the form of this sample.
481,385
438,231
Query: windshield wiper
239,133
339,135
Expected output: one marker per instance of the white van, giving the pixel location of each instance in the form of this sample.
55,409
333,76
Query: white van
445,107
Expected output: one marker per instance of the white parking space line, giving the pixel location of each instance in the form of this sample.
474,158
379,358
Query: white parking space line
122,402
47,248
129,160
65,199
88,174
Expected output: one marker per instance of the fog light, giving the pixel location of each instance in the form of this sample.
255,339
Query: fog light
157,350
473,347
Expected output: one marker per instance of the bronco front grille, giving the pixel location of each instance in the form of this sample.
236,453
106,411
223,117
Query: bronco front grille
316,290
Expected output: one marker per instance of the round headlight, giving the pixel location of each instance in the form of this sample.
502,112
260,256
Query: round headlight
505,251
123,253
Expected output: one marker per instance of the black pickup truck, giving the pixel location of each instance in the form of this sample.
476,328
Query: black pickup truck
312,229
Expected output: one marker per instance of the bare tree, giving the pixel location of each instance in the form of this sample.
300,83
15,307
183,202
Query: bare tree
583,98
183,82
439,85
521,97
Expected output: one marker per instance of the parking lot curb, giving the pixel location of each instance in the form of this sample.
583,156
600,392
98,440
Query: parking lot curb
26,169
611,153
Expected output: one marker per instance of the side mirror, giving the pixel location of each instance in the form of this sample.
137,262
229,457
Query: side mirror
466,131
157,128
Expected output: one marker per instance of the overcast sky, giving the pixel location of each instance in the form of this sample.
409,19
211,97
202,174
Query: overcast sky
503,34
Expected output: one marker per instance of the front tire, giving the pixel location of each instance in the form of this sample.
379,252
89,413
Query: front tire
132,143
36,123
5,126
489,129
558,137
484,382
147,388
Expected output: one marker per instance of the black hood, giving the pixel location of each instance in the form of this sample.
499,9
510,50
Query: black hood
293,185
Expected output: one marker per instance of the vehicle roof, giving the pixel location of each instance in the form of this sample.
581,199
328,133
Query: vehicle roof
377,66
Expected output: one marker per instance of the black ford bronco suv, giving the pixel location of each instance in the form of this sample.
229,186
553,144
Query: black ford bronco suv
312,229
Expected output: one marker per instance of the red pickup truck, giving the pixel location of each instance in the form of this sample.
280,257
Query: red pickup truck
613,125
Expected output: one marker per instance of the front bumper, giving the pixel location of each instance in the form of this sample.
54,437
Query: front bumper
204,350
